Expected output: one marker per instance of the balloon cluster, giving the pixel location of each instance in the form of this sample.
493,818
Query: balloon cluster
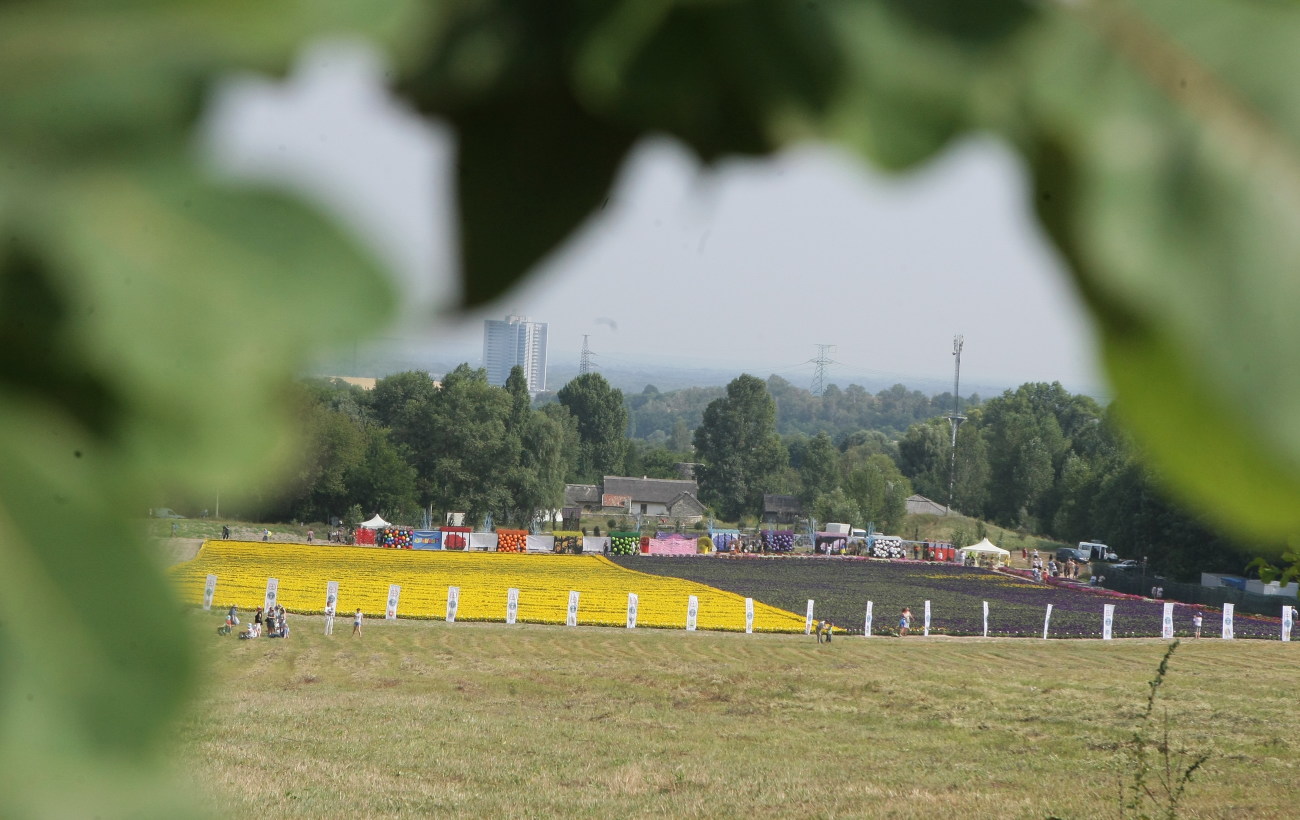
778,540
512,540
887,548
394,538
624,543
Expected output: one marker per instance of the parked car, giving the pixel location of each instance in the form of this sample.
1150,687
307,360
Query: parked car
165,512
1127,564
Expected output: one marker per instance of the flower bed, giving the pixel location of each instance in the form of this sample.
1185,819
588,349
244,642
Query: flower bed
543,581
841,588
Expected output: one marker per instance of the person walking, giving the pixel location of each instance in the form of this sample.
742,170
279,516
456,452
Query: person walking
905,622
1196,625
356,623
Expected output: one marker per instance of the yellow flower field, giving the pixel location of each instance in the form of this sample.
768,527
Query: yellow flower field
543,581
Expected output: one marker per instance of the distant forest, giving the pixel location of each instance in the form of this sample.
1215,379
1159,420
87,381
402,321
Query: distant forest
1036,459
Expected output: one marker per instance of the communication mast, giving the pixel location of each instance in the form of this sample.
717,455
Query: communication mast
955,418
819,375
586,365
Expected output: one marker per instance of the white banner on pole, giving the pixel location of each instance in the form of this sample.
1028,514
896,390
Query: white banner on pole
394,593
807,624
331,604
692,610
1107,621
632,603
453,603
209,590
986,619
749,616
572,618
1288,620
272,588
866,625
1227,621
927,619
512,605
1167,622
1047,620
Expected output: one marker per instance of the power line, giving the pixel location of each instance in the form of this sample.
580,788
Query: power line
819,375
586,365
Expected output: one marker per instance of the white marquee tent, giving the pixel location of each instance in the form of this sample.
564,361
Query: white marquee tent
987,547
375,523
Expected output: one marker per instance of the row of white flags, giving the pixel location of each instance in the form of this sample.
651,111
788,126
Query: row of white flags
693,608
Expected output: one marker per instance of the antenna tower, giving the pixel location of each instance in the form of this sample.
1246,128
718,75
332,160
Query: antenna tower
955,418
819,375
586,365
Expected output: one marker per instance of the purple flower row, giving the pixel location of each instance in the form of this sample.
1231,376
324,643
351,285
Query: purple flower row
841,588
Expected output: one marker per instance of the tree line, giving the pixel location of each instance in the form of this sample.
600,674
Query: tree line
1036,459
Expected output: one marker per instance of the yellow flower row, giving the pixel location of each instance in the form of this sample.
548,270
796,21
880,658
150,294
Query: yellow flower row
544,581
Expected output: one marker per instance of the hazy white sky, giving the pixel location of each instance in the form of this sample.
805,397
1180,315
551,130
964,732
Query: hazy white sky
747,265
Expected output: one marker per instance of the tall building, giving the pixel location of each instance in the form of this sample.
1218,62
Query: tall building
515,341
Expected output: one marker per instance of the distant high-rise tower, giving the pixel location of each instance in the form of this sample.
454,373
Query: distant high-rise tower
515,341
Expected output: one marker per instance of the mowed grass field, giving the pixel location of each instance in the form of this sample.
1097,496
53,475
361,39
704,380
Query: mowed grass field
425,718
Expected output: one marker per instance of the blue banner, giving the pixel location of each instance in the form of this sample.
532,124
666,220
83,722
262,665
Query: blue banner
426,540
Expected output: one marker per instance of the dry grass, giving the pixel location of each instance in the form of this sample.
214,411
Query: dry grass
434,719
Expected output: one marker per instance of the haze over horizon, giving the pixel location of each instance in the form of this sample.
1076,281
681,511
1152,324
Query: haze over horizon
745,266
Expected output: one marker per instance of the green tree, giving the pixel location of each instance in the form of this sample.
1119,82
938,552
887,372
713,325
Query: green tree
602,425
880,490
818,469
739,450
383,482
924,455
468,451
549,445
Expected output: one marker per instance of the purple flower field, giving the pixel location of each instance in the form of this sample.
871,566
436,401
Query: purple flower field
842,586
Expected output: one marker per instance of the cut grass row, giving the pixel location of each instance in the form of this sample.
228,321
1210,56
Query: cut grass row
436,719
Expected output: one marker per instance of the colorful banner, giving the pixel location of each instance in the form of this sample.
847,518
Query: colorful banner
1227,621
986,619
692,609
1167,622
749,616
1107,621
1047,619
394,593
512,605
426,540
272,588
807,624
1288,620
453,602
209,590
331,597
866,625
632,603
927,619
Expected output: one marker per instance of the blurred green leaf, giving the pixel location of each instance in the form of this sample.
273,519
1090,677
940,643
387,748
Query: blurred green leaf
546,99
1168,171
151,319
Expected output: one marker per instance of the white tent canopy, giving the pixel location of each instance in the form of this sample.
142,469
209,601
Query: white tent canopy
986,546
379,523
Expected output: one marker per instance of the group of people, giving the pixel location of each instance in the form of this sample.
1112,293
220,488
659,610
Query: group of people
1053,569
276,625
